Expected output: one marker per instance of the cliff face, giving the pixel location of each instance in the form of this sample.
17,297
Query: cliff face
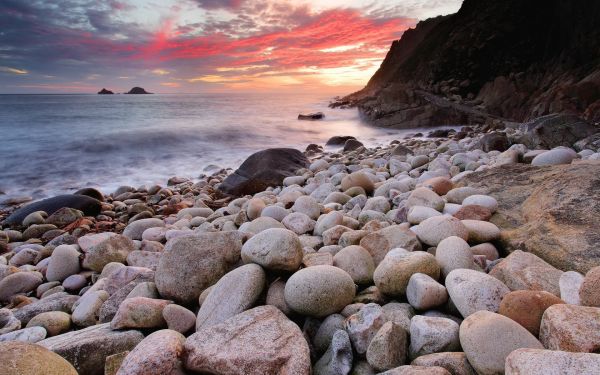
511,59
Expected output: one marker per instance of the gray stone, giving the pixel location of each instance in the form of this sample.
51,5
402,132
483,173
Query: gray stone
433,230
64,262
135,229
363,326
388,347
275,249
30,334
472,291
337,360
432,335
393,273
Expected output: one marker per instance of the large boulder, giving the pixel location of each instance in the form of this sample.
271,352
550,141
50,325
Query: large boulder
557,129
157,354
255,342
17,358
263,169
89,206
88,348
551,211
542,362
193,263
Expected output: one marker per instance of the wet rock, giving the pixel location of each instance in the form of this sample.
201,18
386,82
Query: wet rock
263,169
256,342
89,206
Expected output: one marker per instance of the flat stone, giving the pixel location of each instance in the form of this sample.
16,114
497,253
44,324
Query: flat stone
256,342
88,348
56,302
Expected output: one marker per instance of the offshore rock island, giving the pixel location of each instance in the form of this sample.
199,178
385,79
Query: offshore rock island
466,250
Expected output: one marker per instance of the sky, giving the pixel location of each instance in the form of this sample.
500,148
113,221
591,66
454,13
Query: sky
191,46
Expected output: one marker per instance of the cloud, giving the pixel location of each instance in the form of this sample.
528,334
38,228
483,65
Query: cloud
7,69
216,4
161,72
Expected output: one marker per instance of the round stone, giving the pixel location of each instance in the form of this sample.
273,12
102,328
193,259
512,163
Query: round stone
135,230
74,283
358,179
319,291
433,230
274,249
481,200
357,261
308,206
179,318
18,358
159,353
395,270
488,338
64,262
554,157
424,293
55,322
254,208
527,307
472,291
453,253
299,223
481,231
426,198
417,214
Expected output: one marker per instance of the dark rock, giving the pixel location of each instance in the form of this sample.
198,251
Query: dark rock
311,116
556,130
552,212
401,150
138,90
446,70
352,144
495,141
105,92
89,207
338,140
91,192
263,169
313,148
440,133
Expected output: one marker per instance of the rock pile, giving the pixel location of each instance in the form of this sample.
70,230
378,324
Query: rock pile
356,262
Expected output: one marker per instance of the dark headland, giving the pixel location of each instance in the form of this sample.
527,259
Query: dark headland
105,92
472,250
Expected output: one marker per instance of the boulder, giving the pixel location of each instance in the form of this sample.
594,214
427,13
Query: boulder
89,206
527,307
88,348
571,328
18,358
256,342
473,291
557,129
158,354
544,362
234,293
191,264
550,212
495,141
486,355
263,169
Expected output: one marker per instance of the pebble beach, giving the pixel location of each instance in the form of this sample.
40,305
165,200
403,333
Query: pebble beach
465,252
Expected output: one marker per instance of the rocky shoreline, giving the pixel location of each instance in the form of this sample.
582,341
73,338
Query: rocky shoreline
470,252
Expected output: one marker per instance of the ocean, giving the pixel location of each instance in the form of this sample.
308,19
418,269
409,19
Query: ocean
51,144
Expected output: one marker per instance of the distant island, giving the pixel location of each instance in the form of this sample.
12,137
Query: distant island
138,90
105,92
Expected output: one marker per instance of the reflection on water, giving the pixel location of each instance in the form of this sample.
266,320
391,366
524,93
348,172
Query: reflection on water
56,143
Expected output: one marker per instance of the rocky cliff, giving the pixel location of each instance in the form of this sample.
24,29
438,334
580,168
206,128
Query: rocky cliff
509,59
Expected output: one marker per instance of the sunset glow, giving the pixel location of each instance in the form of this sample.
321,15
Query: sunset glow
200,45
